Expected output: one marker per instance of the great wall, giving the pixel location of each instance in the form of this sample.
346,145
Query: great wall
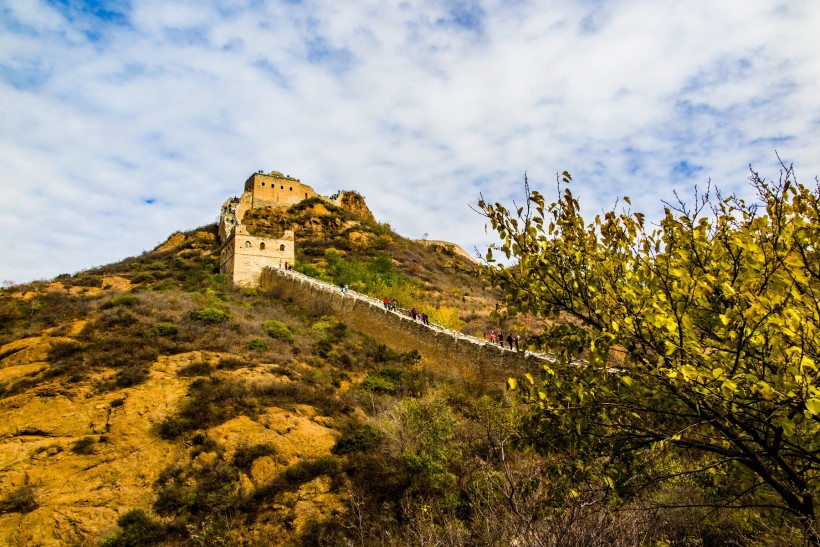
466,358
254,261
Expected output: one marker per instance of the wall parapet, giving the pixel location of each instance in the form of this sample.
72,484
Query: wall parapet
456,354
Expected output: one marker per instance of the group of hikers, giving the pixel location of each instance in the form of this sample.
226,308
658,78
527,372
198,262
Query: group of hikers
512,340
419,316
414,315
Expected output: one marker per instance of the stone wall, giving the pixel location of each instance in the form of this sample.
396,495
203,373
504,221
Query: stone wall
465,358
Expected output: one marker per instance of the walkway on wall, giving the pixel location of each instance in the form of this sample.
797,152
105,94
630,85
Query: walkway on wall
403,314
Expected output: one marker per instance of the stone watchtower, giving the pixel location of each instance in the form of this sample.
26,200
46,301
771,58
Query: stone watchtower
242,255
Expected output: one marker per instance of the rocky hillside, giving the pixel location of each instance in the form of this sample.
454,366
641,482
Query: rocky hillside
148,403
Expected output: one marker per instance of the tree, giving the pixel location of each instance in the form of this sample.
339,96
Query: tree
702,336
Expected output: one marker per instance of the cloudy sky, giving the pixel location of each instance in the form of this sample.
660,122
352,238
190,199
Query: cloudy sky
122,121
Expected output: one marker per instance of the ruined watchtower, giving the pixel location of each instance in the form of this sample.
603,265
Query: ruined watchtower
242,255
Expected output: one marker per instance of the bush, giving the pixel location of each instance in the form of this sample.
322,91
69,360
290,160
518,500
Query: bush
200,368
161,329
305,471
210,315
257,344
174,427
19,501
131,375
137,529
360,438
84,446
119,316
278,331
245,455
125,301
387,380
233,363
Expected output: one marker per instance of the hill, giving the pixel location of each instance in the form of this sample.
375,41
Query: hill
151,394
149,403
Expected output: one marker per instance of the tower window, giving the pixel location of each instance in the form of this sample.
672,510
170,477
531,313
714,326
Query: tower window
262,246
282,187
263,184
291,188
247,244
282,247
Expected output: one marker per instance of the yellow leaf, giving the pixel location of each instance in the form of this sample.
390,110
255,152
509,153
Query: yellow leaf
529,378
689,371
717,373
813,406
627,380
724,319
512,383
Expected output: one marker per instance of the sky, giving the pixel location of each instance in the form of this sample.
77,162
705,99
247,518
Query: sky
123,121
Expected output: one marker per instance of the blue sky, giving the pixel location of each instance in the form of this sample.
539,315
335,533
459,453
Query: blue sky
123,121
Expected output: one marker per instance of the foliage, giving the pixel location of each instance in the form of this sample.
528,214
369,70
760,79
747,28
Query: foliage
386,380
210,315
360,438
83,446
278,331
137,529
424,428
20,500
126,301
245,455
257,344
161,329
711,320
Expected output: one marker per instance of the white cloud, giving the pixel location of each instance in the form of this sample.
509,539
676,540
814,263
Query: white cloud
420,106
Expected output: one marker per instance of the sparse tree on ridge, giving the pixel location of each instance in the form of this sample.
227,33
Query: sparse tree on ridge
702,335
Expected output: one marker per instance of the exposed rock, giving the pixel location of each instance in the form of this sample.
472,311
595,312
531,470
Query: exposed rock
171,243
116,283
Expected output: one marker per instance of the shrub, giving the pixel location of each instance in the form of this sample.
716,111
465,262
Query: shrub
360,438
119,316
131,375
234,363
20,500
200,368
83,446
257,344
278,331
387,380
63,350
174,427
306,470
137,529
161,329
245,455
210,315
125,301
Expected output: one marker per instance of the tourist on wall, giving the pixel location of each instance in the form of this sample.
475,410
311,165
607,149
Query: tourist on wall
510,340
